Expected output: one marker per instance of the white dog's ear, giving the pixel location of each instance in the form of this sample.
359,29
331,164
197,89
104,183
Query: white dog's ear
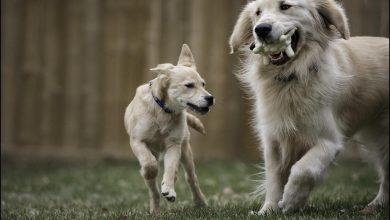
186,58
242,31
162,68
334,14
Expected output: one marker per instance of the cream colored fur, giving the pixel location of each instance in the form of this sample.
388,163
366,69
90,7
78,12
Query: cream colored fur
154,132
303,123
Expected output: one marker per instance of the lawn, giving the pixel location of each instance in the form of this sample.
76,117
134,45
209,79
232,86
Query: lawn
113,189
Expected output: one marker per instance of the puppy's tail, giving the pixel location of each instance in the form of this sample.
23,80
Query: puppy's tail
195,123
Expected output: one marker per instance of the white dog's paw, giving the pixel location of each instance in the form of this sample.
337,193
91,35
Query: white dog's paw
381,200
291,204
169,194
296,193
283,206
268,208
288,207
294,197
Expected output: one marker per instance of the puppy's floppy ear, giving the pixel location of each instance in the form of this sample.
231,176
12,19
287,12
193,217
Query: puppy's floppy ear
162,84
242,31
162,68
186,58
162,80
333,14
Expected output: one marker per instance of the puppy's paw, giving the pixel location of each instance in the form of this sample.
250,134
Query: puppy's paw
268,208
168,192
154,210
170,195
201,202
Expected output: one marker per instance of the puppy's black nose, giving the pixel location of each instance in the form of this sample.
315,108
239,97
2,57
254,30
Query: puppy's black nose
263,30
209,99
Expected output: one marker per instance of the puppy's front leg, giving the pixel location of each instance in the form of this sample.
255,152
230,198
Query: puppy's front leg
149,170
306,172
171,161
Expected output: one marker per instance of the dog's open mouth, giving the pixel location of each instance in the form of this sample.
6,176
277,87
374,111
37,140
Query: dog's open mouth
197,109
281,57
280,51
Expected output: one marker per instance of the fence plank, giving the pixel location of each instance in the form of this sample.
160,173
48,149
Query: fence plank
73,76
115,49
53,63
136,71
154,36
12,21
28,117
92,73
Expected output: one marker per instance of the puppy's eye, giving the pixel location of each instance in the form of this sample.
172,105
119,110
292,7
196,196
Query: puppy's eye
190,85
258,12
284,7
203,84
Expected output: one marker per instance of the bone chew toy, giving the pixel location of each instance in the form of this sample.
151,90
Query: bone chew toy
282,44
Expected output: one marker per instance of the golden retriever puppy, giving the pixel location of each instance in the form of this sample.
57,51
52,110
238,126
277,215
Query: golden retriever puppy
314,88
157,123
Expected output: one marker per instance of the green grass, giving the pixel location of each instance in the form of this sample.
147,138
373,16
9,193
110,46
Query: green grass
115,190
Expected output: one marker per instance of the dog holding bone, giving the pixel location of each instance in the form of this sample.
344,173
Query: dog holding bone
314,88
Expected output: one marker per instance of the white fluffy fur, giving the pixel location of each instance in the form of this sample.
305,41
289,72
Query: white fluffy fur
303,123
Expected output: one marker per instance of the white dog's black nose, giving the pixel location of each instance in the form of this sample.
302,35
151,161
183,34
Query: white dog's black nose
263,30
209,99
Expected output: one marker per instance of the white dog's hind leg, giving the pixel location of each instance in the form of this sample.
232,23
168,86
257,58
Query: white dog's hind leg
149,171
376,141
192,179
171,161
306,172
382,164
382,197
273,180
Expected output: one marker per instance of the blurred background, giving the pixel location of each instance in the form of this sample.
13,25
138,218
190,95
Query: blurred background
69,68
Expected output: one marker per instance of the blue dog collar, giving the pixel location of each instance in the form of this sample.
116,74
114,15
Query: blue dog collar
160,102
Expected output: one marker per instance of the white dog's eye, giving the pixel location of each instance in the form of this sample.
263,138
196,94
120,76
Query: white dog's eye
284,7
203,84
190,85
258,12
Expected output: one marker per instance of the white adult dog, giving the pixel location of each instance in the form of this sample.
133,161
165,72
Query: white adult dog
156,121
314,88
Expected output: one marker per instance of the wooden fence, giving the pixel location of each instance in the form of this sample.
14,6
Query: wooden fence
70,67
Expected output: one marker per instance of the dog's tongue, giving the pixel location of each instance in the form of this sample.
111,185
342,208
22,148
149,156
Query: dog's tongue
276,55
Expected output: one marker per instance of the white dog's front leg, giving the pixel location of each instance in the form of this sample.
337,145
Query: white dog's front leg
171,161
273,188
273,180
306,172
